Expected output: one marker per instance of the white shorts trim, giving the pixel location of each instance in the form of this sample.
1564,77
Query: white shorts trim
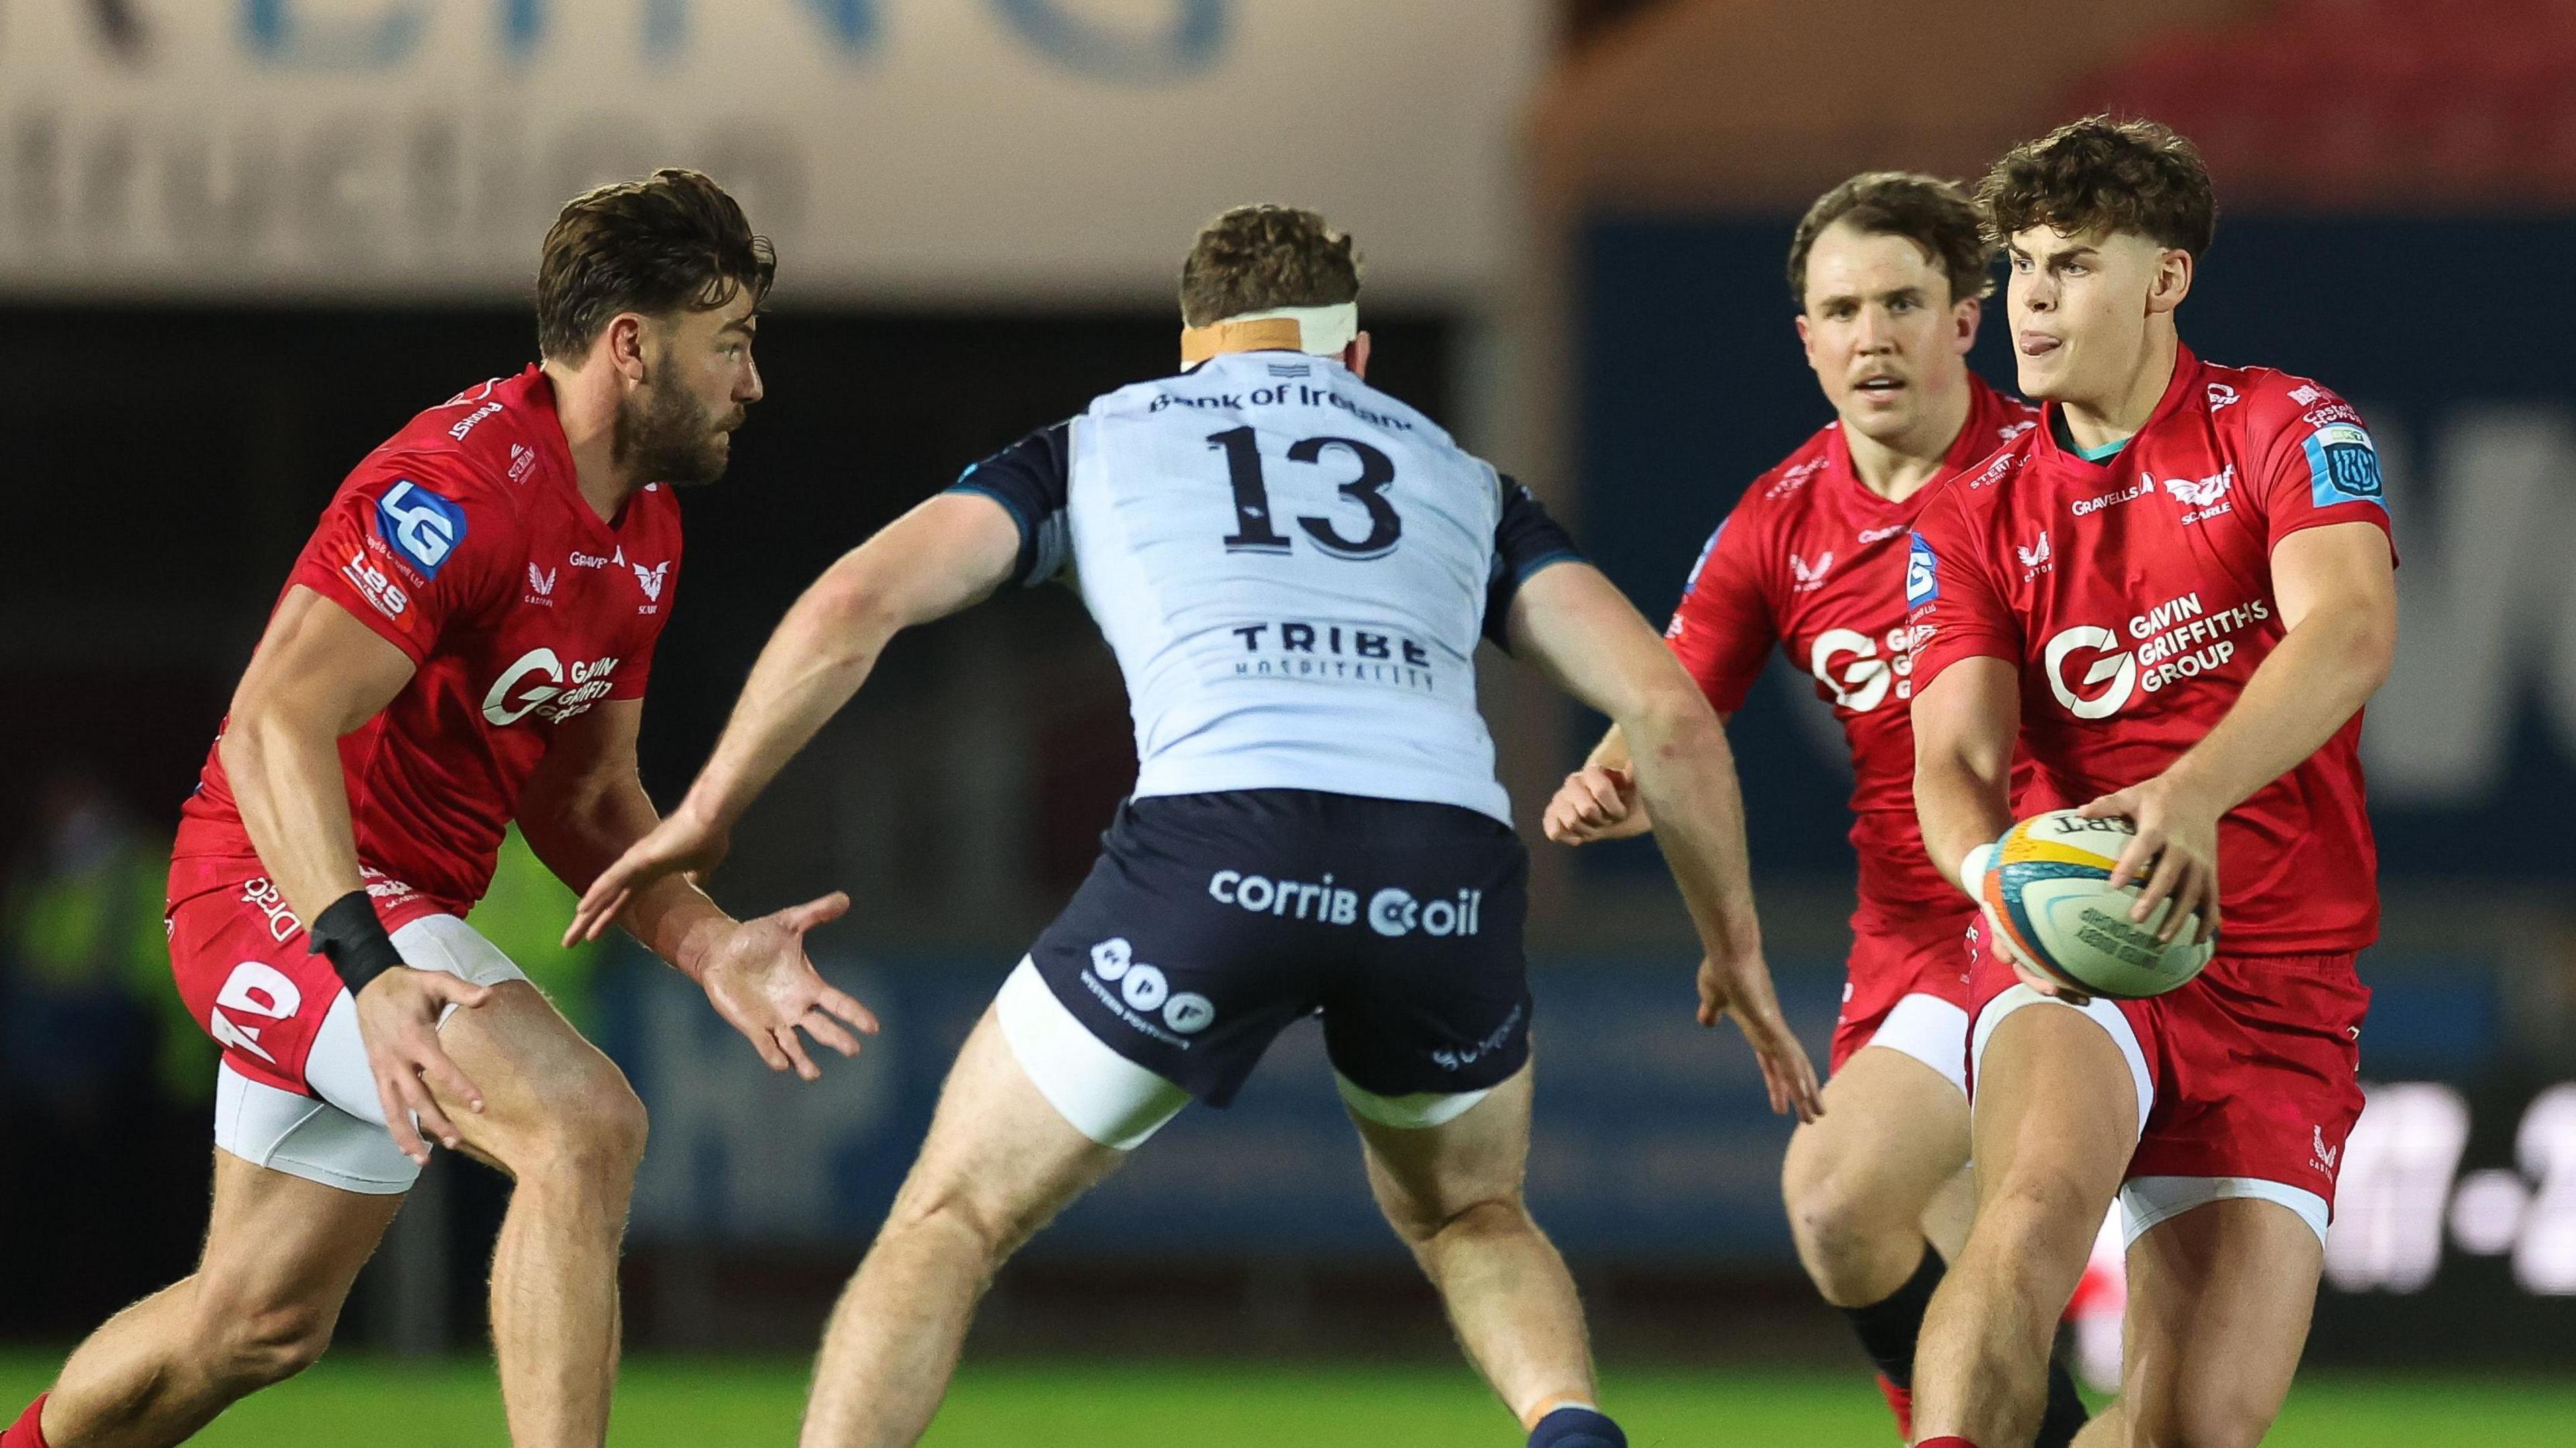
2150,1202
1106,1097
1418,1111
1932,1031
337,1136
2099,1011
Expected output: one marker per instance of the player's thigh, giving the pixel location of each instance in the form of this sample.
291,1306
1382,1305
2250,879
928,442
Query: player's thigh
1424,1176
2219,1304
1894,1132
999,1157
282,1251
2056,1113
543,1085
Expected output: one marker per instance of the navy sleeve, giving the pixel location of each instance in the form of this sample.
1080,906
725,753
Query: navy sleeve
1525,541
1030,479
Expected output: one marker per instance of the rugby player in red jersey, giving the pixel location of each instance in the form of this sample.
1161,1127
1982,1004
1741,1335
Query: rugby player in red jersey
1888,270
464,641
2177,593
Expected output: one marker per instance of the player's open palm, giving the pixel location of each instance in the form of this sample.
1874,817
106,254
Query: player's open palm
2175,852
761,981
398,1016
1742,989
1596,802
681,844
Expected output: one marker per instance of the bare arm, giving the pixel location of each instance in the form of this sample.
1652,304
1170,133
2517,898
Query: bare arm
1574,626
318,674
1965,724
585,806
944,555
2337,588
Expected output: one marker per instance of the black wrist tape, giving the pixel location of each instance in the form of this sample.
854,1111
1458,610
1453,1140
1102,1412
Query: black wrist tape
355,939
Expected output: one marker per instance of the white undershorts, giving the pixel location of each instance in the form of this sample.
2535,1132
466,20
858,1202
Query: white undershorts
1120,1104
338,1136
1932,1031
2150,1202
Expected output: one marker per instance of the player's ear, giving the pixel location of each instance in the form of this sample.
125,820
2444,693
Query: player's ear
1806,338
623,340
1964,318
2173,280
1355,355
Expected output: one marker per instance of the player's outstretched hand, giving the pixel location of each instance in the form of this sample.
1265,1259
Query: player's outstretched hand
1742,989
2175,852
761,981
398,1015
681,844
1596,802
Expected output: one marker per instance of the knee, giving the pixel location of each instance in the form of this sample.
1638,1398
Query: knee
593,1136
258,1347
1835,1214
955,1212
2201,1415
1423,1226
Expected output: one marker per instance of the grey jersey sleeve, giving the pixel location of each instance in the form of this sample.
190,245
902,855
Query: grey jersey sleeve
1031,480
1526,540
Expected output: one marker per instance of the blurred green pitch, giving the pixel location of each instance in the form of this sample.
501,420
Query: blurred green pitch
717,1403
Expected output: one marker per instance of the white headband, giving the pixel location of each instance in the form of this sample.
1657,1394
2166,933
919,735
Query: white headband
1321,331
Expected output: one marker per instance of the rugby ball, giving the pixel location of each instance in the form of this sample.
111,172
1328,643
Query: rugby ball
2049,889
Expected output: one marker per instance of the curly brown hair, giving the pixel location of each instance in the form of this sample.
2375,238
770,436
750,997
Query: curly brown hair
1931,213
1254,258
2098,174
671,240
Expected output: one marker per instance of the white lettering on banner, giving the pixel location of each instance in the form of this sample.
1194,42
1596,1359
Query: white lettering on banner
400,147
2401,1185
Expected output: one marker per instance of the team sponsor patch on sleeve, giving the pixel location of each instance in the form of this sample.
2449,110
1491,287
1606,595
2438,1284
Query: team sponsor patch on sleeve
421,527
2343,466
1921,585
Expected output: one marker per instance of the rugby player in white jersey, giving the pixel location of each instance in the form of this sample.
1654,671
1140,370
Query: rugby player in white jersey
1294,570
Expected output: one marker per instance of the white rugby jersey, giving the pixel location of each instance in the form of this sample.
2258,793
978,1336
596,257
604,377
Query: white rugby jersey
1293,569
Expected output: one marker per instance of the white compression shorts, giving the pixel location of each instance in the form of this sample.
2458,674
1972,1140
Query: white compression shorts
338,1135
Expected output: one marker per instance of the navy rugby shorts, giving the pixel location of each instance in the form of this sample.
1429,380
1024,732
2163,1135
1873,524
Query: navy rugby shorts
1214,920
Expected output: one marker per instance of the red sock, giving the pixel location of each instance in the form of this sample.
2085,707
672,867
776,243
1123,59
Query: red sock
28,1431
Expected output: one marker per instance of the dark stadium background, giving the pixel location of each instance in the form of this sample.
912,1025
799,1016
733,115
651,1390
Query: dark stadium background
2400,215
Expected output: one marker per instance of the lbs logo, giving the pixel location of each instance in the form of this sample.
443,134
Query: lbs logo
1144,991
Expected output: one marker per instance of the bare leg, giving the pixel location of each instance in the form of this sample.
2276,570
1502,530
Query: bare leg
998,1163
281,1253
1861,1182
560,1119
2055,1121
2219,1303
1453,1193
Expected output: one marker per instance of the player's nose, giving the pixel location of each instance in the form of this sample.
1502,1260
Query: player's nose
747,389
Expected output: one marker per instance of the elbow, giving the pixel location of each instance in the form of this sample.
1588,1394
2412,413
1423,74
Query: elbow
1673,721
2374,651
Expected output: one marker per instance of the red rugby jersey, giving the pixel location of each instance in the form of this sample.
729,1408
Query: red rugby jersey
2135,596
1814,561
464,542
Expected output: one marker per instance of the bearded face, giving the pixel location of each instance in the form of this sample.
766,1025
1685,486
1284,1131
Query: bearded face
667,433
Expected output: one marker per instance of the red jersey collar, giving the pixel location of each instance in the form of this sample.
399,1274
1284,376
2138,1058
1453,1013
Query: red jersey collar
2185,375
545,428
